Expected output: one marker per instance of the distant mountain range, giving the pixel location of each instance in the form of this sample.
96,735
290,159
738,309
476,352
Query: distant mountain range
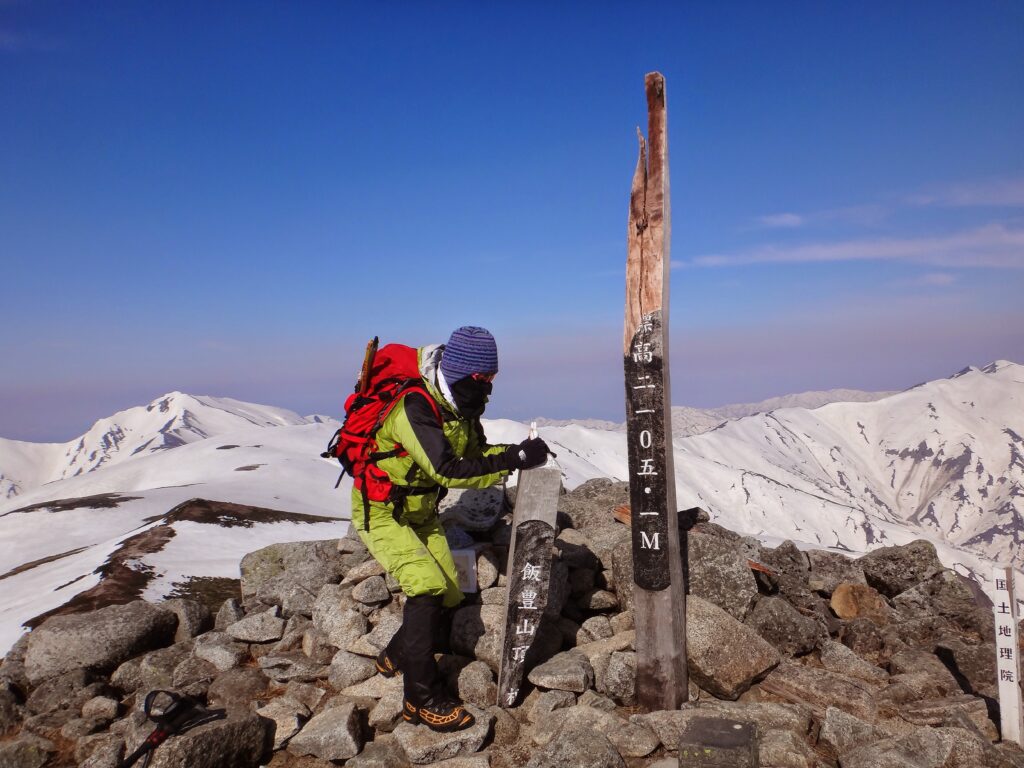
847,470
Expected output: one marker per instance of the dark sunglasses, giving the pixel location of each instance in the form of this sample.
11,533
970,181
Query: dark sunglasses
487,377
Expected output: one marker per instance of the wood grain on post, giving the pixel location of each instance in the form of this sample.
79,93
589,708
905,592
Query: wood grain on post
659,589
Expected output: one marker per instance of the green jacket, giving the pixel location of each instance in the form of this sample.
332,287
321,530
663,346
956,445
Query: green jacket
454,454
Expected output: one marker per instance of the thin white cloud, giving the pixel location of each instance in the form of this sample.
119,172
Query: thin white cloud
992,246
938,278
996,193
781,220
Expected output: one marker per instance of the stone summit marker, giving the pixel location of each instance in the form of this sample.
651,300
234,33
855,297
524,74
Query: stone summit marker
659,590
529,572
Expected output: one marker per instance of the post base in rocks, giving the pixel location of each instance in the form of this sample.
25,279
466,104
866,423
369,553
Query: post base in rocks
717,742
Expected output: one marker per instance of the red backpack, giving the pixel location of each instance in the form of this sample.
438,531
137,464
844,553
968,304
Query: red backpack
388,374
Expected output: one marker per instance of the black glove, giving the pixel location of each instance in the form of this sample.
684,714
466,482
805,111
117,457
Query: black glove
529,453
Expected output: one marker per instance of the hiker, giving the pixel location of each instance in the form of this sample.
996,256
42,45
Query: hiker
429,441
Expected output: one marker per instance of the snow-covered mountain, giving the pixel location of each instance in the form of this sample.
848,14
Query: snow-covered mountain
944,461
170,421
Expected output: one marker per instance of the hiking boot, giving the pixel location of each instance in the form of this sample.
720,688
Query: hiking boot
438,714
385,666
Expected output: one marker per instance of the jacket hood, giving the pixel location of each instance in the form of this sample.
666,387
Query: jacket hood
430,370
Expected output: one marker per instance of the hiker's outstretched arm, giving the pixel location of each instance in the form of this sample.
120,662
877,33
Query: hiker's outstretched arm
417,429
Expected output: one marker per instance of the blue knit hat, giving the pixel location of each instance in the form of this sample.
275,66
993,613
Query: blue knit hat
469,350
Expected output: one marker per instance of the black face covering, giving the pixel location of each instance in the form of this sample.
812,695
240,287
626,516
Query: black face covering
471,396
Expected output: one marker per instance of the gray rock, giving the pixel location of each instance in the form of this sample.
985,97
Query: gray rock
622,573
486,569
720,574
567,671
818,689
598,600
236,689
577,746
193,617
961,709
724,656
629,739
316,645
836,657
101,708
950,596
262,627
288,716
911,661
791,573
230,612
477,631
99,640
382,752
11,712
892,570
974,661
387,713
334,734
156,668
830,569
377,687
314,563
236,742
372,591
220,650
923,748
342,625
598,627
26,751
595,700
621,622
101,750
379,637
348,669
363,571
68,691
476,684
589,506
785,748
547,702
841,732
295,665
784,627
294,591
620,677
494,596
193,676
423,745
305,693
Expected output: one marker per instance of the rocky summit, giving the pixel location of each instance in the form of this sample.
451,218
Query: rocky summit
798,659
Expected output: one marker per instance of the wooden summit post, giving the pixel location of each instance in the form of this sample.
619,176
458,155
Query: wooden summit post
659,602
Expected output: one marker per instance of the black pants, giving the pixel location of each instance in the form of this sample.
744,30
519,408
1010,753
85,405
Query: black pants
413,646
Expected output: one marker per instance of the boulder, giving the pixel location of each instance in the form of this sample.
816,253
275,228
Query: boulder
567,671
230,611
99,640
475,684
840,732
477,631
220,650
598,627
923,748
342,625
547,702
423,745
334,734
950,596
387,712
349,668
784,749
724,656
620,677
26,751
818,689
68,691
237,688
382,752
487,569
365,570
378,638
836,657
784,627
629,739
792,571
263,627
193,617
288,717
577,746
719,573
590,506
372,591
622,572
973,665
892,570
852,601
240,741
294,665
830,569
311,563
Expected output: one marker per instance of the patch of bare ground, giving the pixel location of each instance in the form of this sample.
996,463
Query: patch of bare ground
211,591
41,561
99,501
249,467
124,576
228,515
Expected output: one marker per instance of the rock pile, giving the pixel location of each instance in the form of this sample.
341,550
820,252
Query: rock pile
886,660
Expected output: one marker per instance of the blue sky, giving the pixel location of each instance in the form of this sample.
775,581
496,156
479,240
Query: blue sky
230,198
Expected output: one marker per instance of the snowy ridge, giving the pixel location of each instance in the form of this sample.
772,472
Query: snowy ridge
942,461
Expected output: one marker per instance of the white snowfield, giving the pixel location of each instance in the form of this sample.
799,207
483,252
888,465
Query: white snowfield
942,461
